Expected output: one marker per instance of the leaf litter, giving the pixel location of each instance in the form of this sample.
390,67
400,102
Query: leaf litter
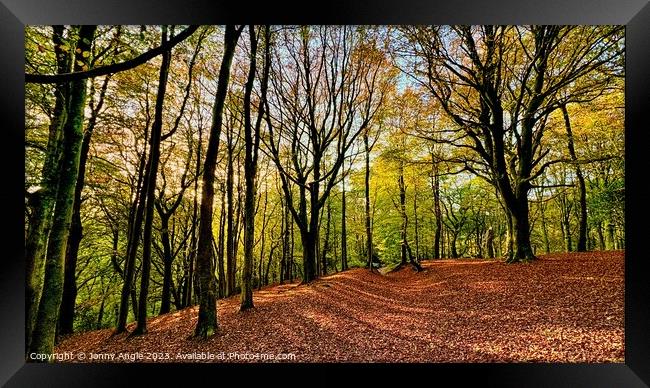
560,308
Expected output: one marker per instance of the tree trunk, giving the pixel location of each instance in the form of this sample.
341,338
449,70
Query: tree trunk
136,215
309,239
415,223
165,301
437,209
292,253
221,248
542,208
100,316
582,191
50,302
251,140
601,238
152,174
66,315
489,242
263,237
189,281
452,242
43,200
344,230
402,209
207,292
367,203
326,246
230,229
284,260
520,232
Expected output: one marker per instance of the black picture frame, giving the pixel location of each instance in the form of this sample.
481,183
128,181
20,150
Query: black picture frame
635,14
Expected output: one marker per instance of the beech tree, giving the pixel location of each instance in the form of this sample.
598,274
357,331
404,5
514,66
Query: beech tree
499,84
42,340
252,144
207,291
315,112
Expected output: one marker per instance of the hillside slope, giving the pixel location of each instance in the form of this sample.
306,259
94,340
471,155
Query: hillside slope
561,308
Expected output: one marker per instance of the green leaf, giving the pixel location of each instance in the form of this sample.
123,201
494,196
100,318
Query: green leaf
85,54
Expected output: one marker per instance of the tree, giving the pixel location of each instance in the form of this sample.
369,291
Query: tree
582,190
252,144
50,302
151,175
497,85
207,293
42,200
319,110
66,315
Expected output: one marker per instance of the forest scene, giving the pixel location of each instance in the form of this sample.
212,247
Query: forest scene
261,193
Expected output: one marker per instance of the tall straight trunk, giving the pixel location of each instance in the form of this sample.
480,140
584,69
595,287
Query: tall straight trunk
263,236
601,238
165,300
566,226
152,174
437,208
326,246
43,200
582,191
100,315
415,223
291,253
284,259
402,209
542,211
221,247
189,281
136,215
238,213
367,202
344,230
66,315
489,243
251,143
610,242
50,301
207,292
230,229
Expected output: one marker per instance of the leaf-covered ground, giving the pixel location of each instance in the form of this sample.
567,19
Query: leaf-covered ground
561,308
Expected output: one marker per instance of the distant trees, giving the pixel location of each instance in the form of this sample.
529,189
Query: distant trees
322,98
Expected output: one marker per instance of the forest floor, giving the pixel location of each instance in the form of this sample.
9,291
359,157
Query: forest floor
560,308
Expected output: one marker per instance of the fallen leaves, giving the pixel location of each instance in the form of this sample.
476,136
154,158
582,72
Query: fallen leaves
560,308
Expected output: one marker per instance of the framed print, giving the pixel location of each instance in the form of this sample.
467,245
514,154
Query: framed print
448,190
